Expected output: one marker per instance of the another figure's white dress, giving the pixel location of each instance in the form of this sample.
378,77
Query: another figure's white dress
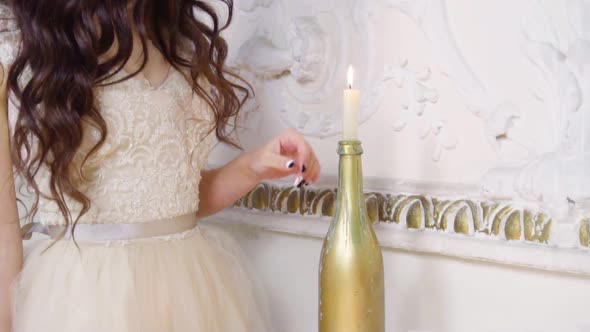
148,170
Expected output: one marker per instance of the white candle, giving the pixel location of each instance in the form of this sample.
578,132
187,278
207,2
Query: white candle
350,109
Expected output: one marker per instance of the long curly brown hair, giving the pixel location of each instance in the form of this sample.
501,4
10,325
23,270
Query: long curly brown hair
62,42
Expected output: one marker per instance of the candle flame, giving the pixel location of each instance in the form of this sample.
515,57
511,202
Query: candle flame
350,77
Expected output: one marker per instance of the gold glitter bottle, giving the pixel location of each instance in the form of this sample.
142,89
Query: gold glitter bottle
351,264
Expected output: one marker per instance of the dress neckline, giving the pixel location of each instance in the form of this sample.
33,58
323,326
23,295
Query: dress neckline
142,80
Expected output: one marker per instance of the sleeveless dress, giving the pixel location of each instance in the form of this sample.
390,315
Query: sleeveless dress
147,171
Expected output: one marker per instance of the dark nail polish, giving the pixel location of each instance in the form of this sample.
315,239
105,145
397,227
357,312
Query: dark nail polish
291,164
303,169
300,183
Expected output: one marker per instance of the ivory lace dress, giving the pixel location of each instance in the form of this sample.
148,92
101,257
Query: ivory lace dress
170,276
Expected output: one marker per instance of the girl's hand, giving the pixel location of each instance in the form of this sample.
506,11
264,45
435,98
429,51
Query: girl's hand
287,154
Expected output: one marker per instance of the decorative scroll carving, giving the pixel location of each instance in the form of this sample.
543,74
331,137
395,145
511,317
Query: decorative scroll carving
556,172
557,44
418,95
308,44
498,220
304,59
306,48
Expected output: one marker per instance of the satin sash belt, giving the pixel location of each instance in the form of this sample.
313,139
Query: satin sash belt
114,232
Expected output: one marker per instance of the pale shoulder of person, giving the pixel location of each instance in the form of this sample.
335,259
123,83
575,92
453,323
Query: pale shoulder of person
7,190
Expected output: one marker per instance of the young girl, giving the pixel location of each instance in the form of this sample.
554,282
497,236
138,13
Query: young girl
107,113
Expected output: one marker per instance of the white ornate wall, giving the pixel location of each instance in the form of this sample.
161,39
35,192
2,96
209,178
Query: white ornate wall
462,101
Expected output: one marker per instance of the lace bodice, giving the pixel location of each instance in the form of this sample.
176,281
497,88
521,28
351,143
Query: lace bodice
149,166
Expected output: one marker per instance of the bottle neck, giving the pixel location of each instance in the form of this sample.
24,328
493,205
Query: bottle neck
350,184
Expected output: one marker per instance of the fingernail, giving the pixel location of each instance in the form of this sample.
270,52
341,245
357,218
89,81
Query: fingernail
297,181
290,164
307,183
301,183
303,169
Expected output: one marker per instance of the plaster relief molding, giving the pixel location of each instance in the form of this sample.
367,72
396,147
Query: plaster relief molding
418,95
507,232
499,116
497,220
557,44
431,17
304,60
309,60
310,79
303,47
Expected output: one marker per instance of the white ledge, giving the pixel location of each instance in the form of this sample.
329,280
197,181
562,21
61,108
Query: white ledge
392,236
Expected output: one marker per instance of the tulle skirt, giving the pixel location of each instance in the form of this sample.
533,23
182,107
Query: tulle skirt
194,281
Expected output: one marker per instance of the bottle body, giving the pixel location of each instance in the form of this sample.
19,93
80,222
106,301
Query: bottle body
351,263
